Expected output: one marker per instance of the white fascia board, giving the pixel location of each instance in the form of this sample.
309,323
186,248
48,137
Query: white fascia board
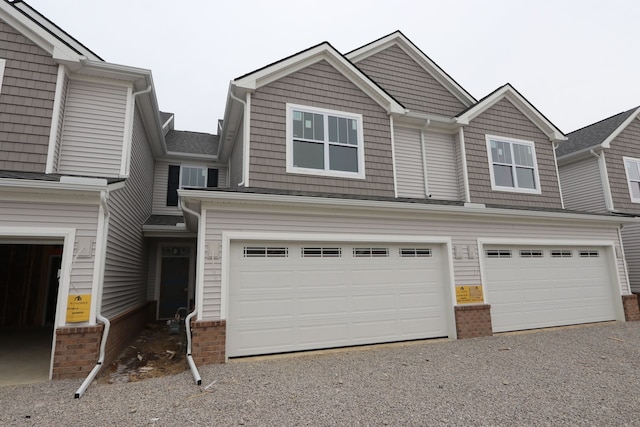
311,56
607,142
521,104
190,156
419,57
216,197
73,188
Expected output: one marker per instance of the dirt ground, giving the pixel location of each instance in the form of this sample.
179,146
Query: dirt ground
154,353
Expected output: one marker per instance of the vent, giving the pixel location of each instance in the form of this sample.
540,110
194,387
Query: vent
321,252
415,253
531,253
498,253
589,254
265,252
561,253
370,252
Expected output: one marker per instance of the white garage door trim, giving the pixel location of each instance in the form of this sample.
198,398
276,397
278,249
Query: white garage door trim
229,237
607,246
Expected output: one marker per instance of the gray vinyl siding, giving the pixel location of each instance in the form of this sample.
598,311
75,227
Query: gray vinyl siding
631,241
318,85
464,233
627,143
26,102
93,129
82,218
125,269
161,178
236,160
442,176
582,186
63,103
504,119
409,165
409,83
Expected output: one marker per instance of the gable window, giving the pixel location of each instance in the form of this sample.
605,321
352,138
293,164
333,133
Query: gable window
324,142
632,167
513,165
189,177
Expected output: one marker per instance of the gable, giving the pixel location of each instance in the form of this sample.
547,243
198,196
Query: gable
397,73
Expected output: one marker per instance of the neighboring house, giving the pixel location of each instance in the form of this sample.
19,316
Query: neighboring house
600,172
372,199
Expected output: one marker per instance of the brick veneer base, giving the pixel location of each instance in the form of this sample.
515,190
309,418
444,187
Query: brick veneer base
208,341
473,321
631,308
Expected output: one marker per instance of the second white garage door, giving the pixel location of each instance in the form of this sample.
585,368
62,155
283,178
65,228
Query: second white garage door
287,296
536,287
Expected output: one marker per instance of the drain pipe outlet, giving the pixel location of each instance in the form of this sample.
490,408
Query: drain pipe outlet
187,321
107,325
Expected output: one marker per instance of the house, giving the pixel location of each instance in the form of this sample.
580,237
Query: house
370,198
599,173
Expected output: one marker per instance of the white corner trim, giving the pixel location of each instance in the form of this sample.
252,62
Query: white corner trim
125,162
56,117
200,261
393,158
555,162
604,179
425,174
465,172
246,140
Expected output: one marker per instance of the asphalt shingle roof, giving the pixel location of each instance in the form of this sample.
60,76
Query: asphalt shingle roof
38,176
592,135
170,220
179,141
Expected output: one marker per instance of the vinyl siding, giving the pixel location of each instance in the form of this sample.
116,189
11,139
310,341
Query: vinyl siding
83,218
63,103
93,129
626,144
631,241
409,83
504,119
318,85
442,173
582,187
161,178
236,160
463,231
125,270
409,165
26,102
459,165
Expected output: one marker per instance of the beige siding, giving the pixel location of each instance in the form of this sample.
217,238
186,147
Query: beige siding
504,119
631,241
409,83
26,102
409,165
442,173
318,85
125,270
626,144
82,218
464,234
93,130
582,186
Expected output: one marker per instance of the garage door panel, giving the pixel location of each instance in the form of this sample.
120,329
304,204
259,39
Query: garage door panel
321,305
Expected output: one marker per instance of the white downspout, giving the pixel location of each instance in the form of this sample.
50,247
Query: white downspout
187,320
104,197
393,157
465,174
424,159
604,180
554,146
624,258
245,138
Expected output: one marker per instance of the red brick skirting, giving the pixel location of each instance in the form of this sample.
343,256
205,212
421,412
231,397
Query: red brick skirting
631,308
208,341
473,321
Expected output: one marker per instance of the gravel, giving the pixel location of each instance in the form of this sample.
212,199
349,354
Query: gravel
586,375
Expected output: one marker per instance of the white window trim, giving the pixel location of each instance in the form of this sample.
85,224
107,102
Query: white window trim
625,160
319,172
510,141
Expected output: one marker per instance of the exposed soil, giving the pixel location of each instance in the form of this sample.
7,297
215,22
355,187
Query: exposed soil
155,353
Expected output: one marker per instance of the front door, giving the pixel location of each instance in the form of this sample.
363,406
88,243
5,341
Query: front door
174,282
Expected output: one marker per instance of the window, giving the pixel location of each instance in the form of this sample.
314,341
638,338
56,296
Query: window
498,253
415,253
632,167
370,252
321,252
324,142
193,177
561,253
589,254
531,253
265,252
513,165
188,177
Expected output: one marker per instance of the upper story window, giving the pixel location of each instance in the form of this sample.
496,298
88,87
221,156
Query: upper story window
513,165
193,177
632,166
189,177
324,142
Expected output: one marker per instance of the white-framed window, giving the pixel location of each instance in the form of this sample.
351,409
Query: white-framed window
512,165
324,142
498,253
561,253
632,168
193,177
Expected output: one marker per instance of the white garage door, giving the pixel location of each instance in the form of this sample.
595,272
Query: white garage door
534,287
301,296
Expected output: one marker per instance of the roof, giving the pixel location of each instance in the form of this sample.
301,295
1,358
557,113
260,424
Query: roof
594,134
168,220
179,141
51,177
165,117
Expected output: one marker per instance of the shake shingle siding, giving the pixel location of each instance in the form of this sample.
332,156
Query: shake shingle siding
504,119
627,143
318,85
409,83
26,102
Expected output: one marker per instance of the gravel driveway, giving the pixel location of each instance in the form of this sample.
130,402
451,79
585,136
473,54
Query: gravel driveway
587,375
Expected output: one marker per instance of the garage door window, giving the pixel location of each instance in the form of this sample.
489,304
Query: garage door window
498,253
415,253
531,253
561,254
265,252
371,252
317,252
589,254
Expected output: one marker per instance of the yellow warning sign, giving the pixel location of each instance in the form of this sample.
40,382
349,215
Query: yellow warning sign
78,308
469,294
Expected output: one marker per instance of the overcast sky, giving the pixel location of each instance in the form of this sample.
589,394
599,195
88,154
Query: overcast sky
577,61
